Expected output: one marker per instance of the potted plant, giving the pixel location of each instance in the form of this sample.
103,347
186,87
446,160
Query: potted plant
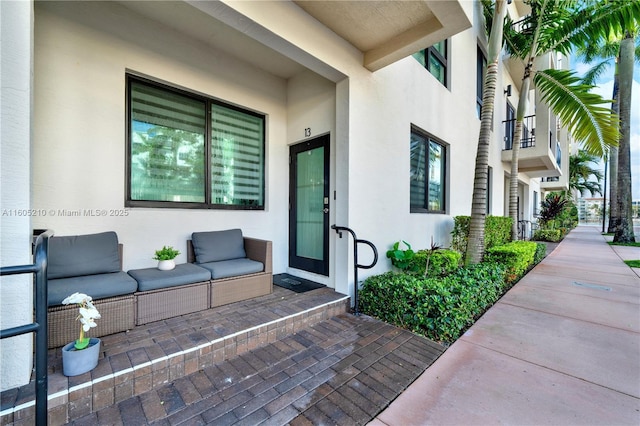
82,355
165,258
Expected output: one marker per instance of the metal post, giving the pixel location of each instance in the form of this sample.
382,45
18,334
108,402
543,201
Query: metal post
356,241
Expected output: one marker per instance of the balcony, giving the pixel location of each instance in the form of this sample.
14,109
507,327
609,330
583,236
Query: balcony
536,158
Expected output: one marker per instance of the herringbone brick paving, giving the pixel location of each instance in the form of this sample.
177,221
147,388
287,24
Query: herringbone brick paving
343,370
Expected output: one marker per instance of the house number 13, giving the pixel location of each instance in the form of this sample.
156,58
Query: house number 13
307,132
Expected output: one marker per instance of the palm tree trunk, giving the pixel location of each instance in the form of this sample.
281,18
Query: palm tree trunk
613,159
475,244
523,105
624,230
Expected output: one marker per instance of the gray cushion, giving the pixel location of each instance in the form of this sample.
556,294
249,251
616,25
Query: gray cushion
153,278
79,255
232,268
218,245
96,286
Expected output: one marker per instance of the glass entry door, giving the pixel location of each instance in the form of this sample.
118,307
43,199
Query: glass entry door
309,206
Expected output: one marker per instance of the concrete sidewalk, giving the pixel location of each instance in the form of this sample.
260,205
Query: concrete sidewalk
561,347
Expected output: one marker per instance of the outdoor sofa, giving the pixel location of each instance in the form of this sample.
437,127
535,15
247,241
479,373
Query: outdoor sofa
224,267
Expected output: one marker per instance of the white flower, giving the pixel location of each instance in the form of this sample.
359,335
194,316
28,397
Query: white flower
87,323
78,298
89,313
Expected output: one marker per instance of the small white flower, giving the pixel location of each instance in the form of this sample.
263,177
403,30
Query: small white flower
75,298
89,313
87,323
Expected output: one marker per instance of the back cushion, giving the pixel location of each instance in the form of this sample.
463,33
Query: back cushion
79,255
218,245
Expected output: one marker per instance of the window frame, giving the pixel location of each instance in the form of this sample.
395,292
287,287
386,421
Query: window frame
431,51
481,69
445,173
208,184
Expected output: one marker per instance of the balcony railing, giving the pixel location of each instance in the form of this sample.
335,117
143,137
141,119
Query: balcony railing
528,138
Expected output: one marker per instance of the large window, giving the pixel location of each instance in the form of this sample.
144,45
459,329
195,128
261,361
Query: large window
185,150
428,173
434,59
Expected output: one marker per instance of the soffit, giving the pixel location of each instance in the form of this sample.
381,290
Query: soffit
186,19
387,31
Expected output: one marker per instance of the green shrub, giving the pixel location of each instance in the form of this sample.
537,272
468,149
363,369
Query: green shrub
442,262
541,252
516,256
551,235
497,232
439,308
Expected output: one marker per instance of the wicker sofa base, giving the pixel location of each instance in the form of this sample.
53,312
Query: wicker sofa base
235,289
156,305
117,314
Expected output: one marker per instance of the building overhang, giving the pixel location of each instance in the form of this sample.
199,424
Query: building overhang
387,31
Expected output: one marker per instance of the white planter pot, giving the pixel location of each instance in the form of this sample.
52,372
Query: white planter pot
76,362
166,265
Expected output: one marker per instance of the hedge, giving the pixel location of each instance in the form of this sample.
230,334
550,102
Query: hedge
442,262
497,231
516,256
551,235
438,308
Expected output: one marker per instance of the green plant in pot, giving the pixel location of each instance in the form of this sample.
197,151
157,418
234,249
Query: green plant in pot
165,258
81,356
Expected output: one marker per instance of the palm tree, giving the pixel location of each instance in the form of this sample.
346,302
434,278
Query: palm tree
624,228
605,51
475,244
580,172
607,54
558,26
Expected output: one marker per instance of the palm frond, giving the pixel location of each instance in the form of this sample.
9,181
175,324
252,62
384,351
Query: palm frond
586,114
578,24
596,71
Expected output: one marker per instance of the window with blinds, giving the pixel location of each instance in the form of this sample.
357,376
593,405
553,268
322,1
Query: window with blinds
172,133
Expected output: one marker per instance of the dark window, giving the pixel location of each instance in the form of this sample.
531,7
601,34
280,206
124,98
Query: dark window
489,188
185,150
481,69
434,59
428,173
509,127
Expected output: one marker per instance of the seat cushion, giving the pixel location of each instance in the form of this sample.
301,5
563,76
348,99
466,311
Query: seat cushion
78,255
97,286
216,246
153,278
233,268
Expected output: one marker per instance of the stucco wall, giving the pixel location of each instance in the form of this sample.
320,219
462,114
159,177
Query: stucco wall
15,221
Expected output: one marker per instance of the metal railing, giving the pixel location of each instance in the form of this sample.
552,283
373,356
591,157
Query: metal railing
357,266
39,268
528,138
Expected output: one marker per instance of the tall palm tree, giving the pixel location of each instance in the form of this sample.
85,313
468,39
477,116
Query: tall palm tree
624,228
606,52
559,26
475,244
580,172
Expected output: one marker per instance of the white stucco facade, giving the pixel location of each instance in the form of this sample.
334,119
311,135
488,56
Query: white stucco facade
74,154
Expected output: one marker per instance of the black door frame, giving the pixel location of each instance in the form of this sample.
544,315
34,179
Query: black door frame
308,264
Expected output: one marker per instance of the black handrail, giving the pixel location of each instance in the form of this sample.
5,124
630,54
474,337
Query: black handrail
356,241
39,268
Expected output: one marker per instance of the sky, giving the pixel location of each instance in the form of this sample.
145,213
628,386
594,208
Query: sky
605,89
